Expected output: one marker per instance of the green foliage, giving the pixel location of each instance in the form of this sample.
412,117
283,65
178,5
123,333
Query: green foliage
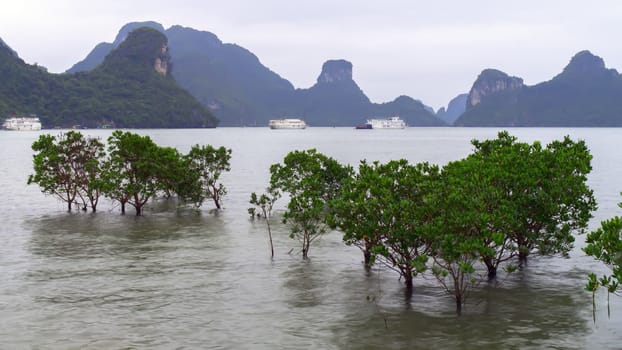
264,203
124,91
132,169
384,211
605,244
204,166
311,180
520,198
505,200
68,168
73,169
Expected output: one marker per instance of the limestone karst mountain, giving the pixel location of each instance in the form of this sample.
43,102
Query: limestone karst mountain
240,90
585,93
132,87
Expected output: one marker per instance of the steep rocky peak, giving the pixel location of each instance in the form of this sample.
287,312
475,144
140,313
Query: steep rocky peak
143,47
586,64
335,71
454,110
585,61
3,45
128,28
491,81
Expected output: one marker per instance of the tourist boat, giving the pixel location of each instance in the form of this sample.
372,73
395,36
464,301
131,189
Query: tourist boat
390,123
22,123
287,123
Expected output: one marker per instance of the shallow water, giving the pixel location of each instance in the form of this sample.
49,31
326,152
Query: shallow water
188,279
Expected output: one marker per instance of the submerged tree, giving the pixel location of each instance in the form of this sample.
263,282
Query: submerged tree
459,231
384,212
506,200
523,198
68,168
134,170
91,184
605,244
265,202
76,170
203,167
311,180
171,170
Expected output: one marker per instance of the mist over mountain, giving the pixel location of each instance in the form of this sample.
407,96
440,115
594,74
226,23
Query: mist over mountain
132,87
454,110
240,90
585,93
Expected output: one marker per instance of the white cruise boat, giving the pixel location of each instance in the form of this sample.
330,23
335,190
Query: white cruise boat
287,123
390,123
22,124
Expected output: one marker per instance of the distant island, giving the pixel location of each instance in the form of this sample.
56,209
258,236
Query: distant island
131,88
241,91
131,83
584,94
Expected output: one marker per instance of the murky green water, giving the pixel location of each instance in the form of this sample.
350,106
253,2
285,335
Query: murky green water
196,280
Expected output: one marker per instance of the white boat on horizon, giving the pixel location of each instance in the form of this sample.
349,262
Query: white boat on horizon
287,123
389,123
22,124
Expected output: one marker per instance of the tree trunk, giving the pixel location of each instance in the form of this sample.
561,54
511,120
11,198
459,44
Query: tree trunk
367,257
408,292
138,205
458,305
69,200
523,249
408,278
216,197
306,241
122,208
367,253
270,235
458,279
490,266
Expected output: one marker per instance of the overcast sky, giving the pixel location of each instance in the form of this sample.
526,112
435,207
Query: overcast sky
429,50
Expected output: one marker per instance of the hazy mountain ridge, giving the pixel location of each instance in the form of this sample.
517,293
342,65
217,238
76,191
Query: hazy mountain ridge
454,110
233,83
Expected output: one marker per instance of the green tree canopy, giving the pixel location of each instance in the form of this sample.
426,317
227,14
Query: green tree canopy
203,167
384,211
311,180
134,169
68,167
605,244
